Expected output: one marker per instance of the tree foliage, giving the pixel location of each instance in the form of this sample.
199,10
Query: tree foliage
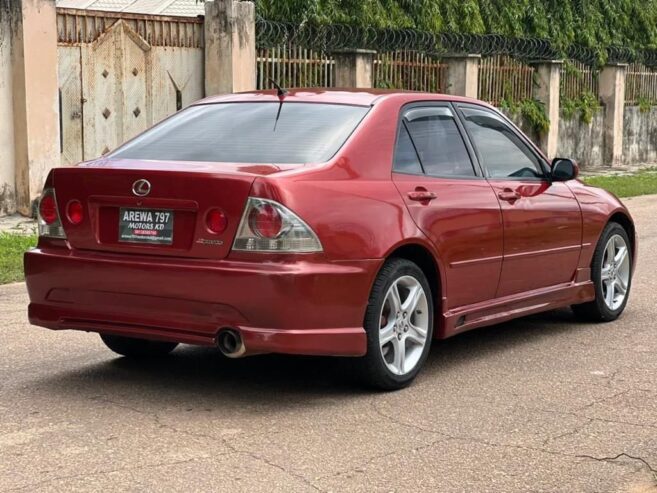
591,23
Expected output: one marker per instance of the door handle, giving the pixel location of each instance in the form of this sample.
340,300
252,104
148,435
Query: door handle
508,195
421,195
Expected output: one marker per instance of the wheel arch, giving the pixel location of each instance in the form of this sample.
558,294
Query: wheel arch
626,222
423,257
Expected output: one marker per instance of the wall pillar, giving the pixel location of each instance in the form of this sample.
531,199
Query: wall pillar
612,95
230,53
8,23
547,82
462,75
354,68
30,27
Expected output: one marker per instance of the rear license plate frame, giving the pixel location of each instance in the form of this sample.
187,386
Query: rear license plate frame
146,226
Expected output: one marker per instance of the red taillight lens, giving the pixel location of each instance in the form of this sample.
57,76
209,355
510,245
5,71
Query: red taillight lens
265,221
48,209
74,212
216,221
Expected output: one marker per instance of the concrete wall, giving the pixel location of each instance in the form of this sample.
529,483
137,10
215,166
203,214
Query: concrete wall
640,135
581,141
29,128
585,142
7,156
577,140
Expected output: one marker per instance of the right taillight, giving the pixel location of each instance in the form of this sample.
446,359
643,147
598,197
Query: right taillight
75,212
265,221
268,226
49,223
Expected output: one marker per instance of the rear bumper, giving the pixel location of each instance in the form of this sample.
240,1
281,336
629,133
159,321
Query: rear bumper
303,307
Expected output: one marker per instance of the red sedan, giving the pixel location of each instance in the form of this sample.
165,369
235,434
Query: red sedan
345,223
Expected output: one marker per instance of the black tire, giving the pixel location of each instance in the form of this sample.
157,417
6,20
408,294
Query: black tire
137,348
372,368
597,310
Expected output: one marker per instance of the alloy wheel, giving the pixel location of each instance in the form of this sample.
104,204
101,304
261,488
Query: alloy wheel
615,275
404,325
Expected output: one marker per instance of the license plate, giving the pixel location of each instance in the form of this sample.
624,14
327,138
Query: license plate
146,226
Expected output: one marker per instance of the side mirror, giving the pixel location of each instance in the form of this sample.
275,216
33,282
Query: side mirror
564,169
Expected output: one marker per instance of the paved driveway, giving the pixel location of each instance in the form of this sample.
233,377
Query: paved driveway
532,405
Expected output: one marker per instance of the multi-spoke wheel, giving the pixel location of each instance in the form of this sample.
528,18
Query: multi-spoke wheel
398,322
611,272
615,273
404,325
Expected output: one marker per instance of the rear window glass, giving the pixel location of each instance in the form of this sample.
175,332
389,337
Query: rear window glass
248,133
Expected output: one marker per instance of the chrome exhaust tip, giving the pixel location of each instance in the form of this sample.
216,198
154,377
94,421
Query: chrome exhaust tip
230,343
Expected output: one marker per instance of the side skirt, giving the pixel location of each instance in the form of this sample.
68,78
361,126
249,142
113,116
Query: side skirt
500,310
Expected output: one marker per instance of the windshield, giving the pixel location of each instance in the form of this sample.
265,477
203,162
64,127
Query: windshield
248,133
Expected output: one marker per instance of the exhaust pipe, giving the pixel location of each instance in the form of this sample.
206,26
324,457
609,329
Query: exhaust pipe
230,343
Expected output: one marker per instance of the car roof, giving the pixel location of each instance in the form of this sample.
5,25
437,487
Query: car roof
364,97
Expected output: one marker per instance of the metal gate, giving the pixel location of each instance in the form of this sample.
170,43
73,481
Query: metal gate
119,75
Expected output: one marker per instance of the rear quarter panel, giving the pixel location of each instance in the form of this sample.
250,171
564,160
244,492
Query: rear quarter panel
351,202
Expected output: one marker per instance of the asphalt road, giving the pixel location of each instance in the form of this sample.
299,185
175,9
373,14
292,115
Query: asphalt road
539,404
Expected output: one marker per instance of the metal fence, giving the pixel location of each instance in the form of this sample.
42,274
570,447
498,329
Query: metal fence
578,78
502,77
76,27
411,70
293,66
640,84
300,55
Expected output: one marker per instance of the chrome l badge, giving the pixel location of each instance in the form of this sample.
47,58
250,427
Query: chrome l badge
141,188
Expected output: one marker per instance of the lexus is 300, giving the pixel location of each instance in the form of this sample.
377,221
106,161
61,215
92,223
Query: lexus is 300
345,223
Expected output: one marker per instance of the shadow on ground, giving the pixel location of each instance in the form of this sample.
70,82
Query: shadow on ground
280,380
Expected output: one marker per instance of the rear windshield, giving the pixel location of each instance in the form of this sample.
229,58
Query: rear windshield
248,133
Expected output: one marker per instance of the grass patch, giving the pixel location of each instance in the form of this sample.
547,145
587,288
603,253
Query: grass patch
642,183
12,247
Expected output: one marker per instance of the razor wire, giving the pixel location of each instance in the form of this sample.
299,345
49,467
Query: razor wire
329,38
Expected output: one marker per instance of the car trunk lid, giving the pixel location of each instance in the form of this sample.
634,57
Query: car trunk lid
174,204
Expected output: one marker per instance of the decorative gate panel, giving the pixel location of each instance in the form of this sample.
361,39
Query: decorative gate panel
70,104
137,115
102,67
114,83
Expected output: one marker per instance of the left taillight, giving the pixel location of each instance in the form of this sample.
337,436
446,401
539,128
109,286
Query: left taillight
50,225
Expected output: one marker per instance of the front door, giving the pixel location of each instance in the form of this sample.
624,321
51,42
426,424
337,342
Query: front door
542,220
450,201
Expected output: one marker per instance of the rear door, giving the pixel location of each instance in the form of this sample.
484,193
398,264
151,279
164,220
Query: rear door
450,201
542,220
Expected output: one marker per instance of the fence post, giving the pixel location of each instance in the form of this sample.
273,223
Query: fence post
547,84
354,68
462,75
230,59
30,112
612,95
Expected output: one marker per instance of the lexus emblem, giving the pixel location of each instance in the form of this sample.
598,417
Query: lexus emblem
141,188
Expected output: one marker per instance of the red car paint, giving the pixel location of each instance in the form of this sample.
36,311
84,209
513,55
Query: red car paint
495,258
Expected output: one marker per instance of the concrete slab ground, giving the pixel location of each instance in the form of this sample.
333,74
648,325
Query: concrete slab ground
541,404
17,224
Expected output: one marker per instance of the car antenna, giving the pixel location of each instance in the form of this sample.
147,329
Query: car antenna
281,92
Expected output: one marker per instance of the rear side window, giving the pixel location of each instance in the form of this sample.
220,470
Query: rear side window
248,133
438,141
406,160
502,153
